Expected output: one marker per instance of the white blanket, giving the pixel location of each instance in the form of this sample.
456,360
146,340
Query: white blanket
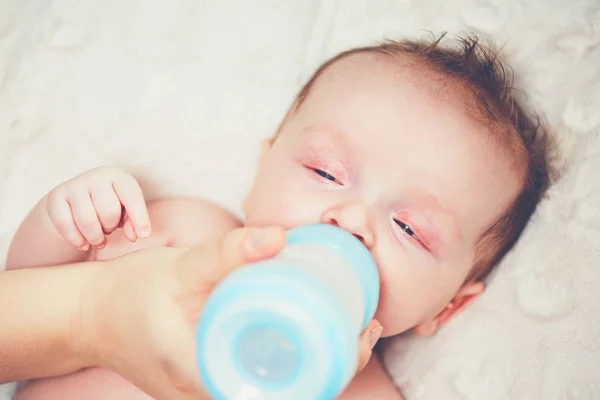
181,92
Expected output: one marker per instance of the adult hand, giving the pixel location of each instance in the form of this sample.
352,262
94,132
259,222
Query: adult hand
139,318
140,314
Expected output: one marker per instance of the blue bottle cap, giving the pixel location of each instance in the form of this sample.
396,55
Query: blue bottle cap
275,332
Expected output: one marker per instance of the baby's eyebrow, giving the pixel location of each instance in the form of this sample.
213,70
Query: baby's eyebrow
330,137
327,132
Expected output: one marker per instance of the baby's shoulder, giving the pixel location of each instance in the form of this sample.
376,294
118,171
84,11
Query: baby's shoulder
187,221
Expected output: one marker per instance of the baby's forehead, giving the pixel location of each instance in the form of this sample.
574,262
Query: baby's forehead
366,69
369,71
368,88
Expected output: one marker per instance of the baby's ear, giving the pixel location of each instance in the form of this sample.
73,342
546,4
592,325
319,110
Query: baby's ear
463,298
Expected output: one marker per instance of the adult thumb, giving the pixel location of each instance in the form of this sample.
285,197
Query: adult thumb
218,257
245,245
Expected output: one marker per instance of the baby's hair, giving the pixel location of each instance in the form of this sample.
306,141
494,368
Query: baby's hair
486,89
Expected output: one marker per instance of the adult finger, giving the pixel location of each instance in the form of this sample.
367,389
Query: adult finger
367,341
213,260
243,246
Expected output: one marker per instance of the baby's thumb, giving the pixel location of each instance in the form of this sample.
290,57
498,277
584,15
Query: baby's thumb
367,341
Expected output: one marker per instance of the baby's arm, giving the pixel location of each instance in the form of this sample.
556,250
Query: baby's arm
37,243
176,222
76,216
372,383
62,226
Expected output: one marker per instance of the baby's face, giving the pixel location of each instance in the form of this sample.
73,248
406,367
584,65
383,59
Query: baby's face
399,166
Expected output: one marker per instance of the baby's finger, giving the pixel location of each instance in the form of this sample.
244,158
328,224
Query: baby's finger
128,231
108,207
367,341
60,214
86,218
131,196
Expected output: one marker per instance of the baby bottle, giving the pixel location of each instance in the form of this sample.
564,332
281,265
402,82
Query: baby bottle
288,327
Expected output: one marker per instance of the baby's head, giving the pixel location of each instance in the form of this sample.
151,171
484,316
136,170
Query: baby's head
421,152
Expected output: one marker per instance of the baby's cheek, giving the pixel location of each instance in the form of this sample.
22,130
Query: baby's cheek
406,297
267,206
283,202
394,310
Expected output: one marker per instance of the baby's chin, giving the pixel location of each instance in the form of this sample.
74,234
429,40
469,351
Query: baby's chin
393,321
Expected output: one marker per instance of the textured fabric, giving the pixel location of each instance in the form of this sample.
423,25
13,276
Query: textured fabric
182,92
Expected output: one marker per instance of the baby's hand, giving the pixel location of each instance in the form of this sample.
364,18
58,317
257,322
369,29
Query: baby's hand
92,205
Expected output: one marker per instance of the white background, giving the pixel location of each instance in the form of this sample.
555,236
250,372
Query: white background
181,92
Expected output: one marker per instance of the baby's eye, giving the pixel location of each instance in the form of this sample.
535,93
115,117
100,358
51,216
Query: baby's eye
325,175
406,229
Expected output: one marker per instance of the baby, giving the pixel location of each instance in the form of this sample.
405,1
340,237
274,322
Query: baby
419,150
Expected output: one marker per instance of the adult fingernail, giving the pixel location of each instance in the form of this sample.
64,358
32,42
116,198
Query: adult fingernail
263,238
375,335
258,239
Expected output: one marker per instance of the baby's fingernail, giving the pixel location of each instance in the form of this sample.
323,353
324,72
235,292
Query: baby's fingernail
85,247
144,232
375,335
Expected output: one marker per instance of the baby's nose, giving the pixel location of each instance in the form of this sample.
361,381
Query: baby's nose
352,218
334,222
